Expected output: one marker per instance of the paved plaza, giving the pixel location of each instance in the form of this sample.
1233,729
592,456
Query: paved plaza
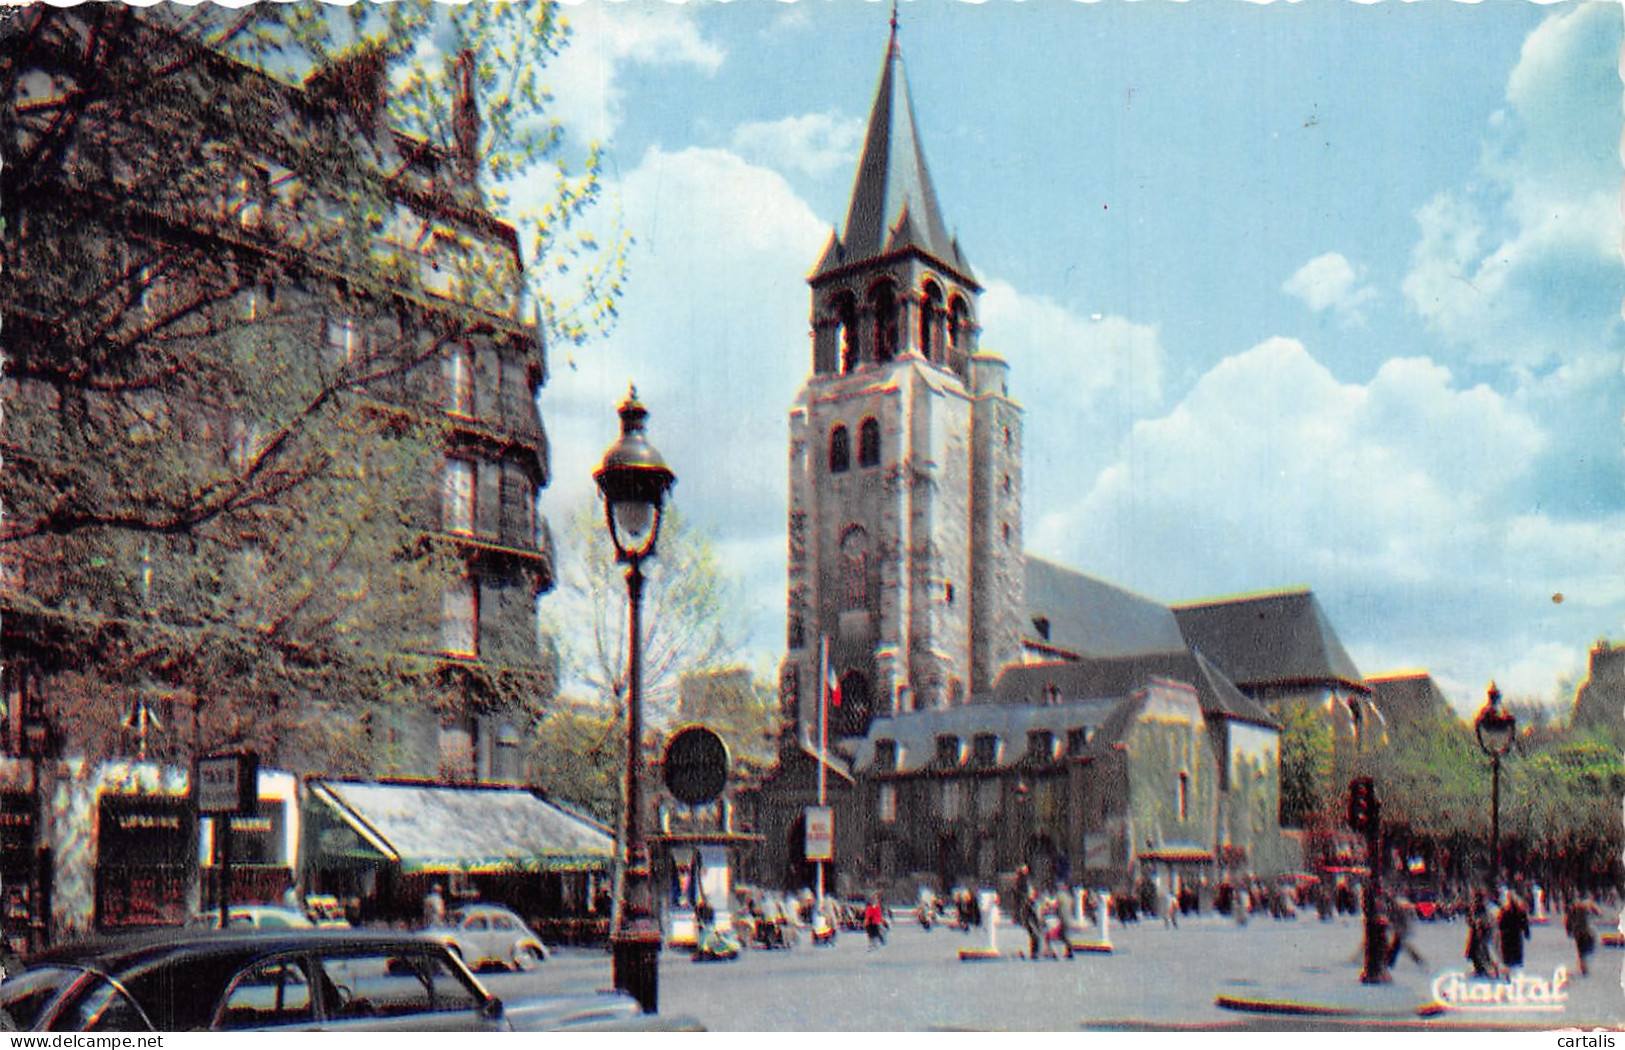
1303,969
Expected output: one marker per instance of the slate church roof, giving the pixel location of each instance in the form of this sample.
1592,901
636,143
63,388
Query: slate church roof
1276,639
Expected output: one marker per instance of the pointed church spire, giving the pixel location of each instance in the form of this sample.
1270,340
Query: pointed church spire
894,205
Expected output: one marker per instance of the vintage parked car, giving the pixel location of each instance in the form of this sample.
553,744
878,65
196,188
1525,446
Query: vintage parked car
298,980
489,934
253,916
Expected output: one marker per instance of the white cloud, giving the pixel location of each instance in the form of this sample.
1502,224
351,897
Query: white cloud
815,144
605,38
713,331
1522,266
1329,282
1386,497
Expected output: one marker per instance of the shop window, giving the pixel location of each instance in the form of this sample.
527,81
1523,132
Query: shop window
869,443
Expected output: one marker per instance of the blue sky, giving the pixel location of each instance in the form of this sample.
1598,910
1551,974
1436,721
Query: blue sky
1319,294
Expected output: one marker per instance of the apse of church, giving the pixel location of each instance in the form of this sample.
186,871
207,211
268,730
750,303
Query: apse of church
905,528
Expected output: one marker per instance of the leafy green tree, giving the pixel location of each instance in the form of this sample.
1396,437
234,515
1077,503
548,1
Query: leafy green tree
690,611
223,335
1306,764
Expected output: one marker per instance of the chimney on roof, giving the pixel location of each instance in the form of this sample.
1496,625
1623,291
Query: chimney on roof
354,83
465,119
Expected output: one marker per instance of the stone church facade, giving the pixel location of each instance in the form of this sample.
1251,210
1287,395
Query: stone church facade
963,707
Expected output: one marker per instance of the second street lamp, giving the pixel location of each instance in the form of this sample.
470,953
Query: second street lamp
1496,728
634,480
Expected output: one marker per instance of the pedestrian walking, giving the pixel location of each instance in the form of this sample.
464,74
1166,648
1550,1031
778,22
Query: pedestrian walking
434,907
1027,913
874,922
1514,926
1399,927
1478,937
1577,924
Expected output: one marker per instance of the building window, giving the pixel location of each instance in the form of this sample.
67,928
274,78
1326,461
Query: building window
855,569
1076,740
840,451
460,619
1041,745
883,304
953,799
457,498
869,443
886,803
948,751
456,754
343,339
885,756
1184,795
985,750
458,379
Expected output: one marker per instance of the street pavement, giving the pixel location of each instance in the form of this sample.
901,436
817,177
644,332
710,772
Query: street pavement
1208,973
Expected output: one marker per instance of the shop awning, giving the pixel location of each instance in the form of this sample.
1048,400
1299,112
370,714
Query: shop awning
1174,853
434,828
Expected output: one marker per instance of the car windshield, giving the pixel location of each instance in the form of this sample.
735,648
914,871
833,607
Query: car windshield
25,996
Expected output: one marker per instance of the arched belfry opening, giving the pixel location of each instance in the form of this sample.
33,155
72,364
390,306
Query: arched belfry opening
931,322
961,336
844,306
883,308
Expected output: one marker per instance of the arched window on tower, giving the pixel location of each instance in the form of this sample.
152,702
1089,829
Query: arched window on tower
931,317
883,305
855,568
869,443
840,451
852,717
846,310
959,336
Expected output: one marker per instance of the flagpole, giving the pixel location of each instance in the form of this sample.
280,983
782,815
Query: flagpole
823,743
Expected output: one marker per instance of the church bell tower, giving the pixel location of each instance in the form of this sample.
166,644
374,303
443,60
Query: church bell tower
905,533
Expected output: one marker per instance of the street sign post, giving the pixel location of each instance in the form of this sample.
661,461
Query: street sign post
224,785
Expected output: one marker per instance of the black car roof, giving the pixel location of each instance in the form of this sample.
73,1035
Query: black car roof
123,952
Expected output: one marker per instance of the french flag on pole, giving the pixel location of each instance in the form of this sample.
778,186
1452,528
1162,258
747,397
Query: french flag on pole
834,692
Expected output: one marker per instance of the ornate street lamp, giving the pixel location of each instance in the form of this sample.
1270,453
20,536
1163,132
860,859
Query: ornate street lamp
634,480
1496,728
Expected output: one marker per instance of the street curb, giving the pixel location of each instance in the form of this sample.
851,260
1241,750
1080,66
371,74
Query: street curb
979,955
1291,1008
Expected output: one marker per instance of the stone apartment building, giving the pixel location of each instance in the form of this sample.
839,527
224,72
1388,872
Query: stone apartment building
205,203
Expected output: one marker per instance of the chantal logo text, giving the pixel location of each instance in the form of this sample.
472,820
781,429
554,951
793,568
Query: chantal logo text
1455,991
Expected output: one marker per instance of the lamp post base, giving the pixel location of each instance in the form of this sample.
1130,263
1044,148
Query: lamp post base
636,956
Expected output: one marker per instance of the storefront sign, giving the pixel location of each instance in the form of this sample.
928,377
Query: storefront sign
228,784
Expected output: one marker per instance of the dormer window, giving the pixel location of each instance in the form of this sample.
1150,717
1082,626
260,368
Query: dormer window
885,756
948,751
1040,745
1077,739
1041,625
985,750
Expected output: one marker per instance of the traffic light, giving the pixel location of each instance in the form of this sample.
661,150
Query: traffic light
1363,806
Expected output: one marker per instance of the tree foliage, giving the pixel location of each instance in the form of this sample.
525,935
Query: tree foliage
226,303
690,611
1306,764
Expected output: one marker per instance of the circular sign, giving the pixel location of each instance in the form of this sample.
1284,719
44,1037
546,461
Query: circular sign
696,766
